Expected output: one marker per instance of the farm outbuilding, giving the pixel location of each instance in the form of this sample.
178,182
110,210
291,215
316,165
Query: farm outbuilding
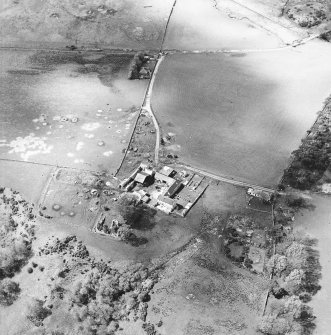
142,178
181,202
264,196
167,171
166,202
165,179
174,189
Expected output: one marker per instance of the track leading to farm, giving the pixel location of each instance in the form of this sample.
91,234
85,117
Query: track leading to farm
147,106
227,180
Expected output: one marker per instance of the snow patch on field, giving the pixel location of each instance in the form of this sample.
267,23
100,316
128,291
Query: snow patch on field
91,126
79,146
28,146
107,153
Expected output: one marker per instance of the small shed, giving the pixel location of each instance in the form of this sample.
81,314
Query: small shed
142,193
146,199
165,179
142,178
264,196
181,202
167,171
168,203
124,183
144,73
149,172
173,189
153,202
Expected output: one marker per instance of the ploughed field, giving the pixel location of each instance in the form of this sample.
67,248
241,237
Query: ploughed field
74,109
241,115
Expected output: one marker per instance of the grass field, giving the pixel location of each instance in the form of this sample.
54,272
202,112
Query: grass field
41,92
89,23
242,116
201,25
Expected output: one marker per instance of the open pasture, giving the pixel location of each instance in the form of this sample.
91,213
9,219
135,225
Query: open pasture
241,115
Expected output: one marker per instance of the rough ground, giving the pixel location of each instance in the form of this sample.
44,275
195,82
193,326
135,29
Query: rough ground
64,283
88,23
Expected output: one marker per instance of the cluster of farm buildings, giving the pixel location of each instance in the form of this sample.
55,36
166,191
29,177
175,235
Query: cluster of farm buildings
166,189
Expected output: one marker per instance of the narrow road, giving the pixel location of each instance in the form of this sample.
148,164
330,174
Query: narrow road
225,51
147,106
260,14
167,24
228,180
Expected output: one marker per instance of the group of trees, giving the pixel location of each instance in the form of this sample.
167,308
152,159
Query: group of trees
9,291
311,160
130,214
129,208
290,316
13,256
326,36
308,14
297,273
135,214
101,300
137,63
37,312
15,243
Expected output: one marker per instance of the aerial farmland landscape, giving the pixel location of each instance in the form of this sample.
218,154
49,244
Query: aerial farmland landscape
165,167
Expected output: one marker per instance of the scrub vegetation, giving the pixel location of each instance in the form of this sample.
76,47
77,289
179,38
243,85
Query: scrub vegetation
16,233
295,271
312,159
9,291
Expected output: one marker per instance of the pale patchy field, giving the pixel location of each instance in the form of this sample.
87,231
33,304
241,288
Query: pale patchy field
241,115
67,108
